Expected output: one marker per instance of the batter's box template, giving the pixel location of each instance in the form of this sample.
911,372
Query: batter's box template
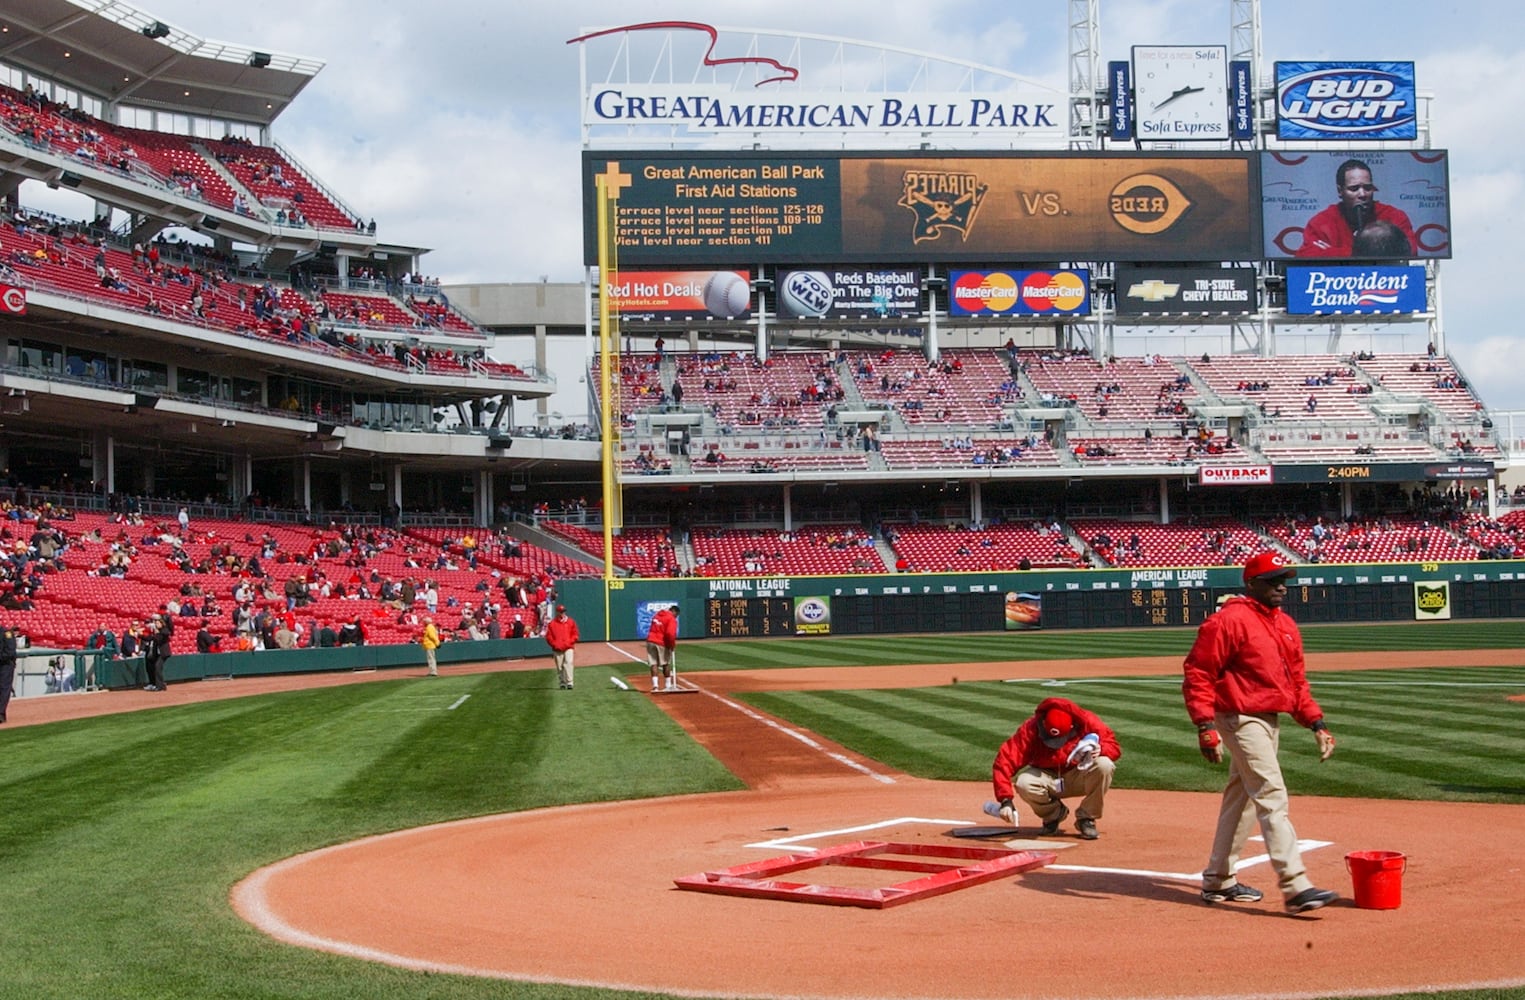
940,868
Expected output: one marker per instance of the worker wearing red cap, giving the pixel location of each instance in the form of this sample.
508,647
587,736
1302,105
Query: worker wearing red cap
1244,670
1062,751
561,636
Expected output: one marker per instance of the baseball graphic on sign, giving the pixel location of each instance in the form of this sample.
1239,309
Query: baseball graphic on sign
806,294
726,294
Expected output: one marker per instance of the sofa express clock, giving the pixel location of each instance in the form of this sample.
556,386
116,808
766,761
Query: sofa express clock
1181,92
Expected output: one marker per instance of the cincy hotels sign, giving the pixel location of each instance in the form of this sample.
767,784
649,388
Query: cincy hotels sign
782,102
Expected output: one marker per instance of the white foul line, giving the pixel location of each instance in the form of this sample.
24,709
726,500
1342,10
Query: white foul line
812,744
458,703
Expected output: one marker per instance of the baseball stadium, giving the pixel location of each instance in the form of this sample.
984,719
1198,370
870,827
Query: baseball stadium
921,396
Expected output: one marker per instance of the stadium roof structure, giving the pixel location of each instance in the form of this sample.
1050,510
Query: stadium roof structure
118,53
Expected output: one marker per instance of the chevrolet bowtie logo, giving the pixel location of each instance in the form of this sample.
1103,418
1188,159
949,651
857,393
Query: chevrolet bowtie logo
1153,290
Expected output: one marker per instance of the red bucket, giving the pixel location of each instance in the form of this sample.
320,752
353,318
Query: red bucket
1377,877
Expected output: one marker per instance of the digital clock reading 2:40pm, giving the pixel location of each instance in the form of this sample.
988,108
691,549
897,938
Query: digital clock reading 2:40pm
1348,472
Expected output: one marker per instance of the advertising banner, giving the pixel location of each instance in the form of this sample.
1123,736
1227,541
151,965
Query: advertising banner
1019,293
1383,472
1175,291
1241,100
1345,101
1377,288
655,296
1024,611
1432,600
850,293
1120,99
794,207
1235,475
1352,205
812,616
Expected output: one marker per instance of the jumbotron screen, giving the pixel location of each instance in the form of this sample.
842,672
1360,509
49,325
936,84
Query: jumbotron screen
740,208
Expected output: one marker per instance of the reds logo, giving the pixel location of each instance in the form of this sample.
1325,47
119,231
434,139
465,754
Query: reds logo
941,200
13,300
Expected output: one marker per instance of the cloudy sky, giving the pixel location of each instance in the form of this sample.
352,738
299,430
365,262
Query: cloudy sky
455,123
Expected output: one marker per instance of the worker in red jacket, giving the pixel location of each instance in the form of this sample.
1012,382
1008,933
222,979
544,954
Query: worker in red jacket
561,636
1244,670
661,649
1061,751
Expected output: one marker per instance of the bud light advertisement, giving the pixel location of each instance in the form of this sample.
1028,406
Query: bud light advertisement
1345,101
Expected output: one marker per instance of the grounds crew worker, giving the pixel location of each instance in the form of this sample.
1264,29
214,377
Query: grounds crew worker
1246,668
661,646
1062,751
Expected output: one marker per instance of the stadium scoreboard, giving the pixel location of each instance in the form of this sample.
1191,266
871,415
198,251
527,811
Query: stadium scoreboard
754,207
748,617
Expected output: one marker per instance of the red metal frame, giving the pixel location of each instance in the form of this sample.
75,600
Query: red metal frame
760,878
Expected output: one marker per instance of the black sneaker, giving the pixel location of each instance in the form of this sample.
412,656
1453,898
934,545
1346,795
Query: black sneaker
1236,893
1051,826
1311,899
1087,827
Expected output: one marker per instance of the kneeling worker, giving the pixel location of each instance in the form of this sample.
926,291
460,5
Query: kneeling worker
1062,751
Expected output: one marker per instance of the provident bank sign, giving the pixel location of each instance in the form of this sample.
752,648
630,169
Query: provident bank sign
724,81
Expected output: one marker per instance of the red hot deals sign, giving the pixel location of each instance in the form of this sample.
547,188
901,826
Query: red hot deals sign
1019,293
1234,475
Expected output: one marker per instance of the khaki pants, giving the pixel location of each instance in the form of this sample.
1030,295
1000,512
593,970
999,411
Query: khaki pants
658,658
429,659
1256,792
563,661
1041,789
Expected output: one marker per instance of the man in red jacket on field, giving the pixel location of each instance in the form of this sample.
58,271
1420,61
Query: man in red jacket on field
661,648
1062,751
1246,668
561,636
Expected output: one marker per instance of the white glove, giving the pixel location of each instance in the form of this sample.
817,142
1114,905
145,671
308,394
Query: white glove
1009,814
1083,757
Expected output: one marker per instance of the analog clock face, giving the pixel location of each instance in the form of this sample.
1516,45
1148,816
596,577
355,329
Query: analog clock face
1181,92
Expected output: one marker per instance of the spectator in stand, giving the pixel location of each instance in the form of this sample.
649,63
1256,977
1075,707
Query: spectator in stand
8,637
206,641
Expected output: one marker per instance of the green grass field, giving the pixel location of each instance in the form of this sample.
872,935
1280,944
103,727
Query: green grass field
120,836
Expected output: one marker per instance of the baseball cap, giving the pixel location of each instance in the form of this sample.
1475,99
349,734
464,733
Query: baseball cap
1055,727
1268,566
560,608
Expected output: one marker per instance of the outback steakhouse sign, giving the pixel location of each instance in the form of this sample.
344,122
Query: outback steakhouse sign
1234,475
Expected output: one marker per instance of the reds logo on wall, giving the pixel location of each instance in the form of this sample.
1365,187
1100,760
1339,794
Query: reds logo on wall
13,300
1019,293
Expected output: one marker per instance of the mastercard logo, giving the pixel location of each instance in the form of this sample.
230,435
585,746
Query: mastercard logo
1021,293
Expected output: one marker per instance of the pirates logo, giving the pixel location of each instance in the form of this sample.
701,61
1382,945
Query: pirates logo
941,200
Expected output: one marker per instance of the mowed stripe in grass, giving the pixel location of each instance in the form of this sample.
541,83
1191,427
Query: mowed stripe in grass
1448,734
1103,644
124,833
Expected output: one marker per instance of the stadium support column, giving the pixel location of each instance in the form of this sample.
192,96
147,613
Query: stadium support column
1164,500
484,497
976,502
307,484
788,506
396,491
103,461
762,325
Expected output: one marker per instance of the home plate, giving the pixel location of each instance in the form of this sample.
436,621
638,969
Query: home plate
1037,845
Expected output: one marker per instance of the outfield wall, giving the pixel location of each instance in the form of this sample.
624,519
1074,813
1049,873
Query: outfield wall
1049,599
